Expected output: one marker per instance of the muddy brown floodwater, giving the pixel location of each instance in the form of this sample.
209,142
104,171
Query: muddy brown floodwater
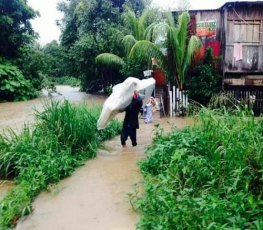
95,197
15,114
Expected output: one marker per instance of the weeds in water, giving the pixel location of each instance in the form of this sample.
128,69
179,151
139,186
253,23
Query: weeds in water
209,176
63,137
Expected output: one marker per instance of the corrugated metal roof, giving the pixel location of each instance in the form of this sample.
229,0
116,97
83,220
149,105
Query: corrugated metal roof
235,4
242,4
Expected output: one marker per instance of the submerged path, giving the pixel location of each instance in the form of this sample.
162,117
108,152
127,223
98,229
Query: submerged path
96,195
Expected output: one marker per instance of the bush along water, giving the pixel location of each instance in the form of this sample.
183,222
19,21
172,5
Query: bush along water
208,176
63,137
72,81
13,85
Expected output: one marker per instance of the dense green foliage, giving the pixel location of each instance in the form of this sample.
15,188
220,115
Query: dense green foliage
13,85
55,60
16,30
203,84
32,63
85,32
63,137
209,176
23,79
88,29
204,81
137,28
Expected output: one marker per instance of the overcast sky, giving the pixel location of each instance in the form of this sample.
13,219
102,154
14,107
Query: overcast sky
46,26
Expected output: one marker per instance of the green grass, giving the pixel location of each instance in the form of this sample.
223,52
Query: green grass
63,138
209,176
74,82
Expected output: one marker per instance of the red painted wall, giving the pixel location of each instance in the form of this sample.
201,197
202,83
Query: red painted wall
159,76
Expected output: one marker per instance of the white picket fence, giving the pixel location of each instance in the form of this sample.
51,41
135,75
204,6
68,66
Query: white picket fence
178,102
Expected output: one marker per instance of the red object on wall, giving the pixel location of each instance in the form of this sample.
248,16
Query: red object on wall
215,45
159,77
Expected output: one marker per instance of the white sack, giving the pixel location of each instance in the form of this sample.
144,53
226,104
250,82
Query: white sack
145,89
121,97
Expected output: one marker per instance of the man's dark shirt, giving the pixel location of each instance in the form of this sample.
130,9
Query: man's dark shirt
132,111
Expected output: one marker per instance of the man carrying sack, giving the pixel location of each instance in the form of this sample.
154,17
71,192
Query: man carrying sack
131,121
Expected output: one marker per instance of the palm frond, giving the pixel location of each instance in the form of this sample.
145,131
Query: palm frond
131,22
147,16
193,46
173,38
170,19
183,5
183,22
109,60
140,31
157,32
148,33
147,50
182,37
128,42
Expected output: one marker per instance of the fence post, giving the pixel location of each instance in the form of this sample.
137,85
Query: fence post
183,99
170,103
174,100
177,99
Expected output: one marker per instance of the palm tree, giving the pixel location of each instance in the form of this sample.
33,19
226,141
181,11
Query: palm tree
179,48
139,27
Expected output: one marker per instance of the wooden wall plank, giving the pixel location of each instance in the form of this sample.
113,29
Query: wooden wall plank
250,33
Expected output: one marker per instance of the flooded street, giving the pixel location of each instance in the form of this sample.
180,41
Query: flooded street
96,195
15,114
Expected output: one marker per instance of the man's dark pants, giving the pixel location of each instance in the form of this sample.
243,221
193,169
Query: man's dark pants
128,132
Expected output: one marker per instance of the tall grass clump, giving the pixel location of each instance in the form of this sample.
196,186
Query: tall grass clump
208,176
72,81
64,136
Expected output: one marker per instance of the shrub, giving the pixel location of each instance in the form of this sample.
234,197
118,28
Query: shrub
204,81
72,81
203,84
32,63
206,176
13,85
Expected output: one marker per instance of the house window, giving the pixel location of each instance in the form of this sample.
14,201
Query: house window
245,31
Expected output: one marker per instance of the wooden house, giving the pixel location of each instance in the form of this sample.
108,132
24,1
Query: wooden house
235,33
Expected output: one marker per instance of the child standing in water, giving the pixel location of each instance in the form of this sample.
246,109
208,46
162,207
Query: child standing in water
148,115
